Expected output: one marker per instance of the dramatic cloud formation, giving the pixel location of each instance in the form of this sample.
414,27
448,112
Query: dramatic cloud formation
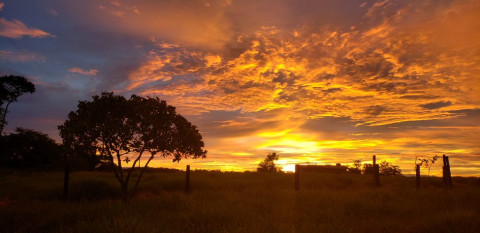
315,81
390,68
315,72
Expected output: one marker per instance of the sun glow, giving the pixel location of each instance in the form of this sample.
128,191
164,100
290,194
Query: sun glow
291,145
288,168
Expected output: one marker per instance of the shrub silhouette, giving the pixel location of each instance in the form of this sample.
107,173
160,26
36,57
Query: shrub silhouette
268,164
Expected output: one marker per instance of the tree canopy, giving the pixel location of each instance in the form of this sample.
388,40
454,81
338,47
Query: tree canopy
356,168
121,130
11,87
268,164
389,169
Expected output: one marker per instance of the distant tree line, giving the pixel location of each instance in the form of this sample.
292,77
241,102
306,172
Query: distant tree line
29,149
385,168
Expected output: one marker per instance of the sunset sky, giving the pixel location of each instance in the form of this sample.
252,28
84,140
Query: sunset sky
315,81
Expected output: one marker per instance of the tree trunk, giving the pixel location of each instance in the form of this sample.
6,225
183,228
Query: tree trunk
4,115
141,174
125,192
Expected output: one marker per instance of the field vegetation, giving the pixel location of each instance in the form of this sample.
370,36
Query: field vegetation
236,202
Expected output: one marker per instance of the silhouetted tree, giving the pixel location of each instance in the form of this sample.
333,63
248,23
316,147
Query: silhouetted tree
367,168
388,169
356,168
426,162
11,87
268,164
118,128
84,157
30,149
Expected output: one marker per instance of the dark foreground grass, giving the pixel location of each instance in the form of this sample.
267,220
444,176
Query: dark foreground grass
237,202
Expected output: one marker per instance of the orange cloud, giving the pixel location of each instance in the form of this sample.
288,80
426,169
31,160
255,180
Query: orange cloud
15,29
192,23
391,70
90,72
284,72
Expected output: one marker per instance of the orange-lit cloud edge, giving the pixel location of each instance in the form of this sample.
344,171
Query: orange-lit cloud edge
375,78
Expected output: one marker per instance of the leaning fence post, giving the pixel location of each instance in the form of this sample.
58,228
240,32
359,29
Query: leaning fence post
417,175
65,182
187,180
297,177
376,172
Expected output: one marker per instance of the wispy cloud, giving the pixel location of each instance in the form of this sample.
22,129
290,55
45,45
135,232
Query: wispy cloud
20,56
90,72
435,105
15,29
52,12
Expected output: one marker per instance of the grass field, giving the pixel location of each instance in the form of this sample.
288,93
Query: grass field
237,202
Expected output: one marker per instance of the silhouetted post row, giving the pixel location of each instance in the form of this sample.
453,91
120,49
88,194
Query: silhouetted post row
187,180
297,177
417,175
65,182
376,172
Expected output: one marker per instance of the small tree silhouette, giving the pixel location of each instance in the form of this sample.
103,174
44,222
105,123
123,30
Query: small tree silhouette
388,169
123,130
426,162
356,168
268,164
367,168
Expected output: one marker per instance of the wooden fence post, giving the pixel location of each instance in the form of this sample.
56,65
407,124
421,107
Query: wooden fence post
417,175
376,172
65,182
187,180
447,175
297,177
444,170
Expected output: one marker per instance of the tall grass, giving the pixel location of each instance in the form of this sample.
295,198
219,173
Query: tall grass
238,202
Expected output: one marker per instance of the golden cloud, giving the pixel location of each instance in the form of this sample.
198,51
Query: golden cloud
403,62
90,72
